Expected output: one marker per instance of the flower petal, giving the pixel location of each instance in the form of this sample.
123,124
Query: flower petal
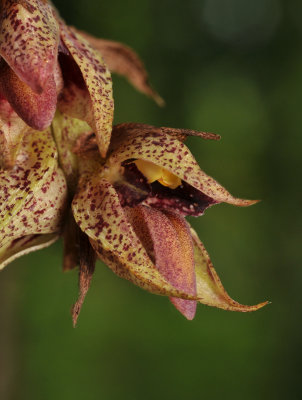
12,130
25,245
99,214
173,155
122,60
209,287
130,129
32,198
37,110
167,239
29,38
67,131
98,82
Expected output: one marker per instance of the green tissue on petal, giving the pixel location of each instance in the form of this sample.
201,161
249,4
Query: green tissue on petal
67,131
32,199
12,130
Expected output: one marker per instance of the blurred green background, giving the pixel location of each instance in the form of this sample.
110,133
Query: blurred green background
230,67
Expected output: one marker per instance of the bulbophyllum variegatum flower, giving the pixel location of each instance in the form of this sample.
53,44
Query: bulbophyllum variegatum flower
132,207
120,194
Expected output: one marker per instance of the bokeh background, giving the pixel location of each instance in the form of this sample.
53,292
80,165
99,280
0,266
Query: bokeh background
230,67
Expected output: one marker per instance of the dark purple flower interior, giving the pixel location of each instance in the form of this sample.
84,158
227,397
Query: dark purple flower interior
135,189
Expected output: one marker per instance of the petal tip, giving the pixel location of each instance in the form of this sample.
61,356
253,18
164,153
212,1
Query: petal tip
243,202
158,99
245,308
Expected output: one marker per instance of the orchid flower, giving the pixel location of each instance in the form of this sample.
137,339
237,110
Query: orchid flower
132,207
120,194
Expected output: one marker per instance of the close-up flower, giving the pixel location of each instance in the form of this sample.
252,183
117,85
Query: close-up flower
118,193
133,208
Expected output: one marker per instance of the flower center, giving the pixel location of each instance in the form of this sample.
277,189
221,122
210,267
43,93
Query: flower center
154,173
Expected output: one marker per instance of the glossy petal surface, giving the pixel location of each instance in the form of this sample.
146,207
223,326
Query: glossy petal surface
29,37
98,82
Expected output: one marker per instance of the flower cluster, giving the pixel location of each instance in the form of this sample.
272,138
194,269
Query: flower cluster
118,193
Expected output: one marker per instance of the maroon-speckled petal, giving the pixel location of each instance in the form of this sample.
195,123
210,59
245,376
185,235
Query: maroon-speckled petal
172,155
32,198
167,239
99,214
122,60
128,130
37,110
99,105
67,131
29,37
209,287
12,130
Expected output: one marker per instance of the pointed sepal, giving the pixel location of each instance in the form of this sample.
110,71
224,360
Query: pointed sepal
90,97
123,60
210,290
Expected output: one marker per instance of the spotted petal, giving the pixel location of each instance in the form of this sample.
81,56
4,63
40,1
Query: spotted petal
131,129
36,109
32,198
122,60
167,239
12,130
172,155
209,287
67,132
99,214
96,104
29,38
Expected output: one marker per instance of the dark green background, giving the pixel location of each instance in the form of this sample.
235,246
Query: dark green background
231,67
